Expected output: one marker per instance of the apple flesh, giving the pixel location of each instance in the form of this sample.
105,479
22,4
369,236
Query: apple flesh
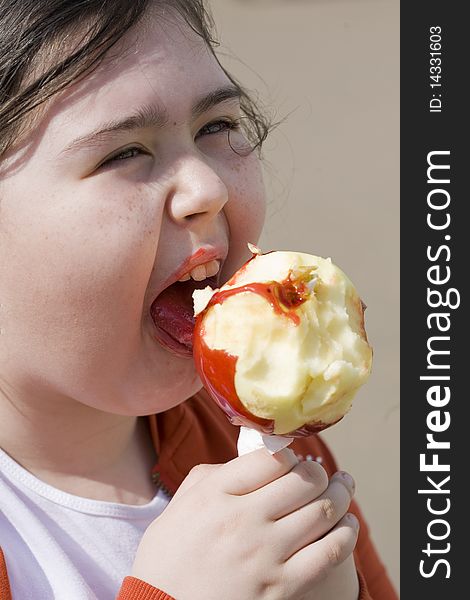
282,347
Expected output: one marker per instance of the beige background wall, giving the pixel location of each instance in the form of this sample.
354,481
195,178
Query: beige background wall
333,182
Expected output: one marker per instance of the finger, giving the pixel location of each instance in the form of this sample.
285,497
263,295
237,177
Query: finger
305,482
312,521
254,470
197,474
315,561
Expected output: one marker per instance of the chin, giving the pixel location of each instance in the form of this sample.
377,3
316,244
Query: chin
158,394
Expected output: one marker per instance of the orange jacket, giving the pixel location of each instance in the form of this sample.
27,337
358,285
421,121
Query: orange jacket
198,432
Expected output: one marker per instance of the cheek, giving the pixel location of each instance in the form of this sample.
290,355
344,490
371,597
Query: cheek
246,208
73,288
78,268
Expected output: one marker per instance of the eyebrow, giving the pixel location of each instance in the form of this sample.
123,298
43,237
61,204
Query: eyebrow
150,116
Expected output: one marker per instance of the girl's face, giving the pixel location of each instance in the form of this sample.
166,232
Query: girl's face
93,225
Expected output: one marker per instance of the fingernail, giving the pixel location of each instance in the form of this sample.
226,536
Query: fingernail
347,479
288,455
353,520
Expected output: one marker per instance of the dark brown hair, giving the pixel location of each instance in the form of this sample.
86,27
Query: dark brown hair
37,61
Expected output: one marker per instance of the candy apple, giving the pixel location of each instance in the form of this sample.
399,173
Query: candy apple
281,347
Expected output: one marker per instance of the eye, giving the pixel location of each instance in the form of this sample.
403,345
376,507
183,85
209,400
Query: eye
218,126
234,136
122,155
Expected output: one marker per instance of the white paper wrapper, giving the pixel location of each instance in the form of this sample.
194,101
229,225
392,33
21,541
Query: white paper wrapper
251,439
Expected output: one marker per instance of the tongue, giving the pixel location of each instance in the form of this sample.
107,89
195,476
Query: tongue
173,312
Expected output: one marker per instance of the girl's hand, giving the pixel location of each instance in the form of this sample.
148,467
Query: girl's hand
340,584
260,526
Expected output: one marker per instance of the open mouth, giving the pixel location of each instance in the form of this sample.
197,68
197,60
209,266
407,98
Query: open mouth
173,315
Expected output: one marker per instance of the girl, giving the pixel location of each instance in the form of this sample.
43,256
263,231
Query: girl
129,174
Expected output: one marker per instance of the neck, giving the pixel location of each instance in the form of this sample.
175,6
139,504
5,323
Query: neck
80,449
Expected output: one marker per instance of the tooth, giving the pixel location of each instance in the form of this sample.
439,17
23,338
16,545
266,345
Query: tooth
212,268
199,273
185,277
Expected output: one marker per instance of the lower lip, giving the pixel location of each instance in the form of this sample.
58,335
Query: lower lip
170,344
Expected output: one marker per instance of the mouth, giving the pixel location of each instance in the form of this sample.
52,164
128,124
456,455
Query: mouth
173,315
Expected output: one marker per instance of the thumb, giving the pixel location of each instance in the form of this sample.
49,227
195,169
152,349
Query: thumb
197,474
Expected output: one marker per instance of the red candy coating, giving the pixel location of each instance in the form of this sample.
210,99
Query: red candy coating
216,369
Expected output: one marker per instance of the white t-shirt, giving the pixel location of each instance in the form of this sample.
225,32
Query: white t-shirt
59,546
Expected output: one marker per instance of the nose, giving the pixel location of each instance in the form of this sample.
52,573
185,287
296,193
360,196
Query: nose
198,193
